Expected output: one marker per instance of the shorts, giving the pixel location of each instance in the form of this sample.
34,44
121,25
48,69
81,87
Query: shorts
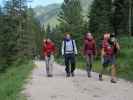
109,60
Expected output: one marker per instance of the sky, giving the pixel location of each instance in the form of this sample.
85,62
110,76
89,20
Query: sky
1,2
41,2
45,2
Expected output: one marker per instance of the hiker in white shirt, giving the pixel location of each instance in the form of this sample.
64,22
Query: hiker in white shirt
69,50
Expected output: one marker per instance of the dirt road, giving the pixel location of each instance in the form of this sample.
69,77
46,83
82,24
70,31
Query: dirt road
78,88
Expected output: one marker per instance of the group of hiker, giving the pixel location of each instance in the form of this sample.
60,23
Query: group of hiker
109,49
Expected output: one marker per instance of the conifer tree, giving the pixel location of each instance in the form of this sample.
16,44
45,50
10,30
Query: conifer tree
100,16
71,19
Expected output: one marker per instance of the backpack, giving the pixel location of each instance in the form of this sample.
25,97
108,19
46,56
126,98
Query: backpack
115,49
65,45
114,46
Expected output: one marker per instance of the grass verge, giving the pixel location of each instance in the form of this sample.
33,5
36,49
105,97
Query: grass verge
12,81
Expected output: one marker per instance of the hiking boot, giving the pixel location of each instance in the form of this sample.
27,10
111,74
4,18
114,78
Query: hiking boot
72,74
113,81
68,75
89,74
100,77
50,75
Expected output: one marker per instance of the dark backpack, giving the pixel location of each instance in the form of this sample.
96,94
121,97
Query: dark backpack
115,49
114,46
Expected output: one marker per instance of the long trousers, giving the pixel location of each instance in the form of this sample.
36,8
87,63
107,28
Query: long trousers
70,63
89,62
49,64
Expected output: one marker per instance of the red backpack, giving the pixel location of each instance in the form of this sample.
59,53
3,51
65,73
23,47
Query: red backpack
108,49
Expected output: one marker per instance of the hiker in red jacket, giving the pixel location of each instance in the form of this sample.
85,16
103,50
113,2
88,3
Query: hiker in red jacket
89,52
48,51
110,46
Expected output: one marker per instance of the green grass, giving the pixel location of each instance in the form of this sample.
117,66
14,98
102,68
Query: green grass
124,61
12,81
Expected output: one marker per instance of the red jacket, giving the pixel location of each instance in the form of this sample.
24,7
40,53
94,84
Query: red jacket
48,48
89,46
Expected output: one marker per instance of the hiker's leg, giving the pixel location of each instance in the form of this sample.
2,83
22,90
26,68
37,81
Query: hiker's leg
90,61
72,59
113,71
67,69
88,65
104,66
51,64
47,65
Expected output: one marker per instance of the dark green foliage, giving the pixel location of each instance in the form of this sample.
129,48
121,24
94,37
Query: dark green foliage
121,16
20,33
57,36
71,19
48,31
110,16
100,16
7,41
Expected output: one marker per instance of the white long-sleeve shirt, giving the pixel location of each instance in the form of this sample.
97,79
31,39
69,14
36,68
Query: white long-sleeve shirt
69,47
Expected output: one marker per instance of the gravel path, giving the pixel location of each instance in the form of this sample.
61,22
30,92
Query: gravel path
77,88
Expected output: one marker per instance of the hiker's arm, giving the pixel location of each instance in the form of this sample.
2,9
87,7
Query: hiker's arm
102,52
117,45
75,48
62,48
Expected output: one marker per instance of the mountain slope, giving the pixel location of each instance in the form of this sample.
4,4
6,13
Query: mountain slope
48,14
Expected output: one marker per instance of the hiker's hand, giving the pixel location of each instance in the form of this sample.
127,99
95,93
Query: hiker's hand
63,55
102,52
76,54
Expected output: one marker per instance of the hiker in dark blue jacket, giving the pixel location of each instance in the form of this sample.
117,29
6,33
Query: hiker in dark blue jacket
69,50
